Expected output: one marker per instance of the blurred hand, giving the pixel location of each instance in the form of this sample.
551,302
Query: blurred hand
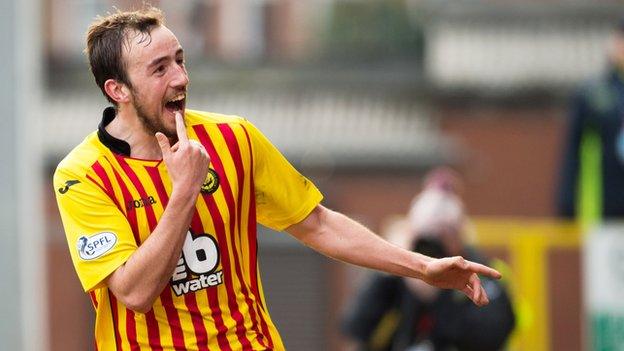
187,160
460,274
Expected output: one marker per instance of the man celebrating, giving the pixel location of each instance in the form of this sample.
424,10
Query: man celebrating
160,207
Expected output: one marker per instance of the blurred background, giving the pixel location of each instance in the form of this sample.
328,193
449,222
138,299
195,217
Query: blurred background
364,97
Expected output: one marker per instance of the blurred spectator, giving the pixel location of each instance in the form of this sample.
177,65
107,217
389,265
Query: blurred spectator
592,175
394,313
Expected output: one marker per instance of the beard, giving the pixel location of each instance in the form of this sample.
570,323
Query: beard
151,122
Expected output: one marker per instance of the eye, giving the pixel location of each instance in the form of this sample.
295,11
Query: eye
160,69
180,61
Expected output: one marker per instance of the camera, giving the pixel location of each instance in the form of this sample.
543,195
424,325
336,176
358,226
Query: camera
429,245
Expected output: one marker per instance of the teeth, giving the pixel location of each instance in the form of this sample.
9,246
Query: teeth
178,97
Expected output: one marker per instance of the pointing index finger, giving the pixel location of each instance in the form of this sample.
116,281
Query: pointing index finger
484,270
180,128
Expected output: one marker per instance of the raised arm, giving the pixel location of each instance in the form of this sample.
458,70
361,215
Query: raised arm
337,236
139,281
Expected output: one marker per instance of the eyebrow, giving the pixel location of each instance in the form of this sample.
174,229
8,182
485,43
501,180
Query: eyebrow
158,60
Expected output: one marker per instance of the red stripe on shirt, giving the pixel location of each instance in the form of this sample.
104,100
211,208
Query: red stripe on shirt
132,220
253,239
221,232
251,224
130,214
153,332
165,297
94,300
136,182
190,300
211,294
229,199
196,316
108,187
198,321
217,315
131,330
234,149
113,306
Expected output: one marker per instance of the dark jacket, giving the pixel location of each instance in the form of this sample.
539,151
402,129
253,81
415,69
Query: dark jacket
598,106
451,322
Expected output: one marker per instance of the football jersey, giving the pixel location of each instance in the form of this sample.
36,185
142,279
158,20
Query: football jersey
110,203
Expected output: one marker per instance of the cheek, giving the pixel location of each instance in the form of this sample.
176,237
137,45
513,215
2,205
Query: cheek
150,92
152,101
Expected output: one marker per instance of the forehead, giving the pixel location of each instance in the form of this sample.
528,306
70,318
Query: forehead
142,48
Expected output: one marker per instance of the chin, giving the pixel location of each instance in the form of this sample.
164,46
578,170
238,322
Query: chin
170,130
173,137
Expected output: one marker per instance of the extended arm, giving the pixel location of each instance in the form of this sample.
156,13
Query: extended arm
139,281
339,237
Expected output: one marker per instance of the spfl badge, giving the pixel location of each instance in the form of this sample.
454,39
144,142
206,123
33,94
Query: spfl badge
212,182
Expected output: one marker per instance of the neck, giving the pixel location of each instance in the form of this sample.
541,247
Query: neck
127,127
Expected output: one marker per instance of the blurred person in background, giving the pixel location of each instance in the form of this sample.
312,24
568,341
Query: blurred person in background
394,313
592,172
160,207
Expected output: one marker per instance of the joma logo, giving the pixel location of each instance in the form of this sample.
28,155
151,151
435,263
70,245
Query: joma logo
142,202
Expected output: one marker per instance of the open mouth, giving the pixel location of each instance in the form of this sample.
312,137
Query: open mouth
176,103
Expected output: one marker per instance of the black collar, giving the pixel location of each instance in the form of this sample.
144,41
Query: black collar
115,145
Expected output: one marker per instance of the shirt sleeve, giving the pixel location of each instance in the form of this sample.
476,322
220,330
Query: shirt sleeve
283,196
99,236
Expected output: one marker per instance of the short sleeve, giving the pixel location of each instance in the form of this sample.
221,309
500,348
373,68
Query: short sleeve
99,236
283,196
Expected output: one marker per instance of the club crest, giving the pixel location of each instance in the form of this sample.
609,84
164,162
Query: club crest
212,182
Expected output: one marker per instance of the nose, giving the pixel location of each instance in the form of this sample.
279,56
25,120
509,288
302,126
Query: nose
181,78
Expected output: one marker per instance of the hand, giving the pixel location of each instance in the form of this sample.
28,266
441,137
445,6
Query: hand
458,273
187,160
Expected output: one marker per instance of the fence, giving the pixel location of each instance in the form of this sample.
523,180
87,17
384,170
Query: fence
530,248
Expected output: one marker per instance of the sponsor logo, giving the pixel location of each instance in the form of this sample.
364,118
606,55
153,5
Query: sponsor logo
67,185
204,281
212,182
142,202
196,268
95,245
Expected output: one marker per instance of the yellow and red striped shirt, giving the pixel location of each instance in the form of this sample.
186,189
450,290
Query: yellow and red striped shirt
110,203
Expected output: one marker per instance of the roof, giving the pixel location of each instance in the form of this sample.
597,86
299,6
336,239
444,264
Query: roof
514,46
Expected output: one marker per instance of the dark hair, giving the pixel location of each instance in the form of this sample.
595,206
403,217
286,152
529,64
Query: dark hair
106,37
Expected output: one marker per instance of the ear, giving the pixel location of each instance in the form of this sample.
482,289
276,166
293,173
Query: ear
117,91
